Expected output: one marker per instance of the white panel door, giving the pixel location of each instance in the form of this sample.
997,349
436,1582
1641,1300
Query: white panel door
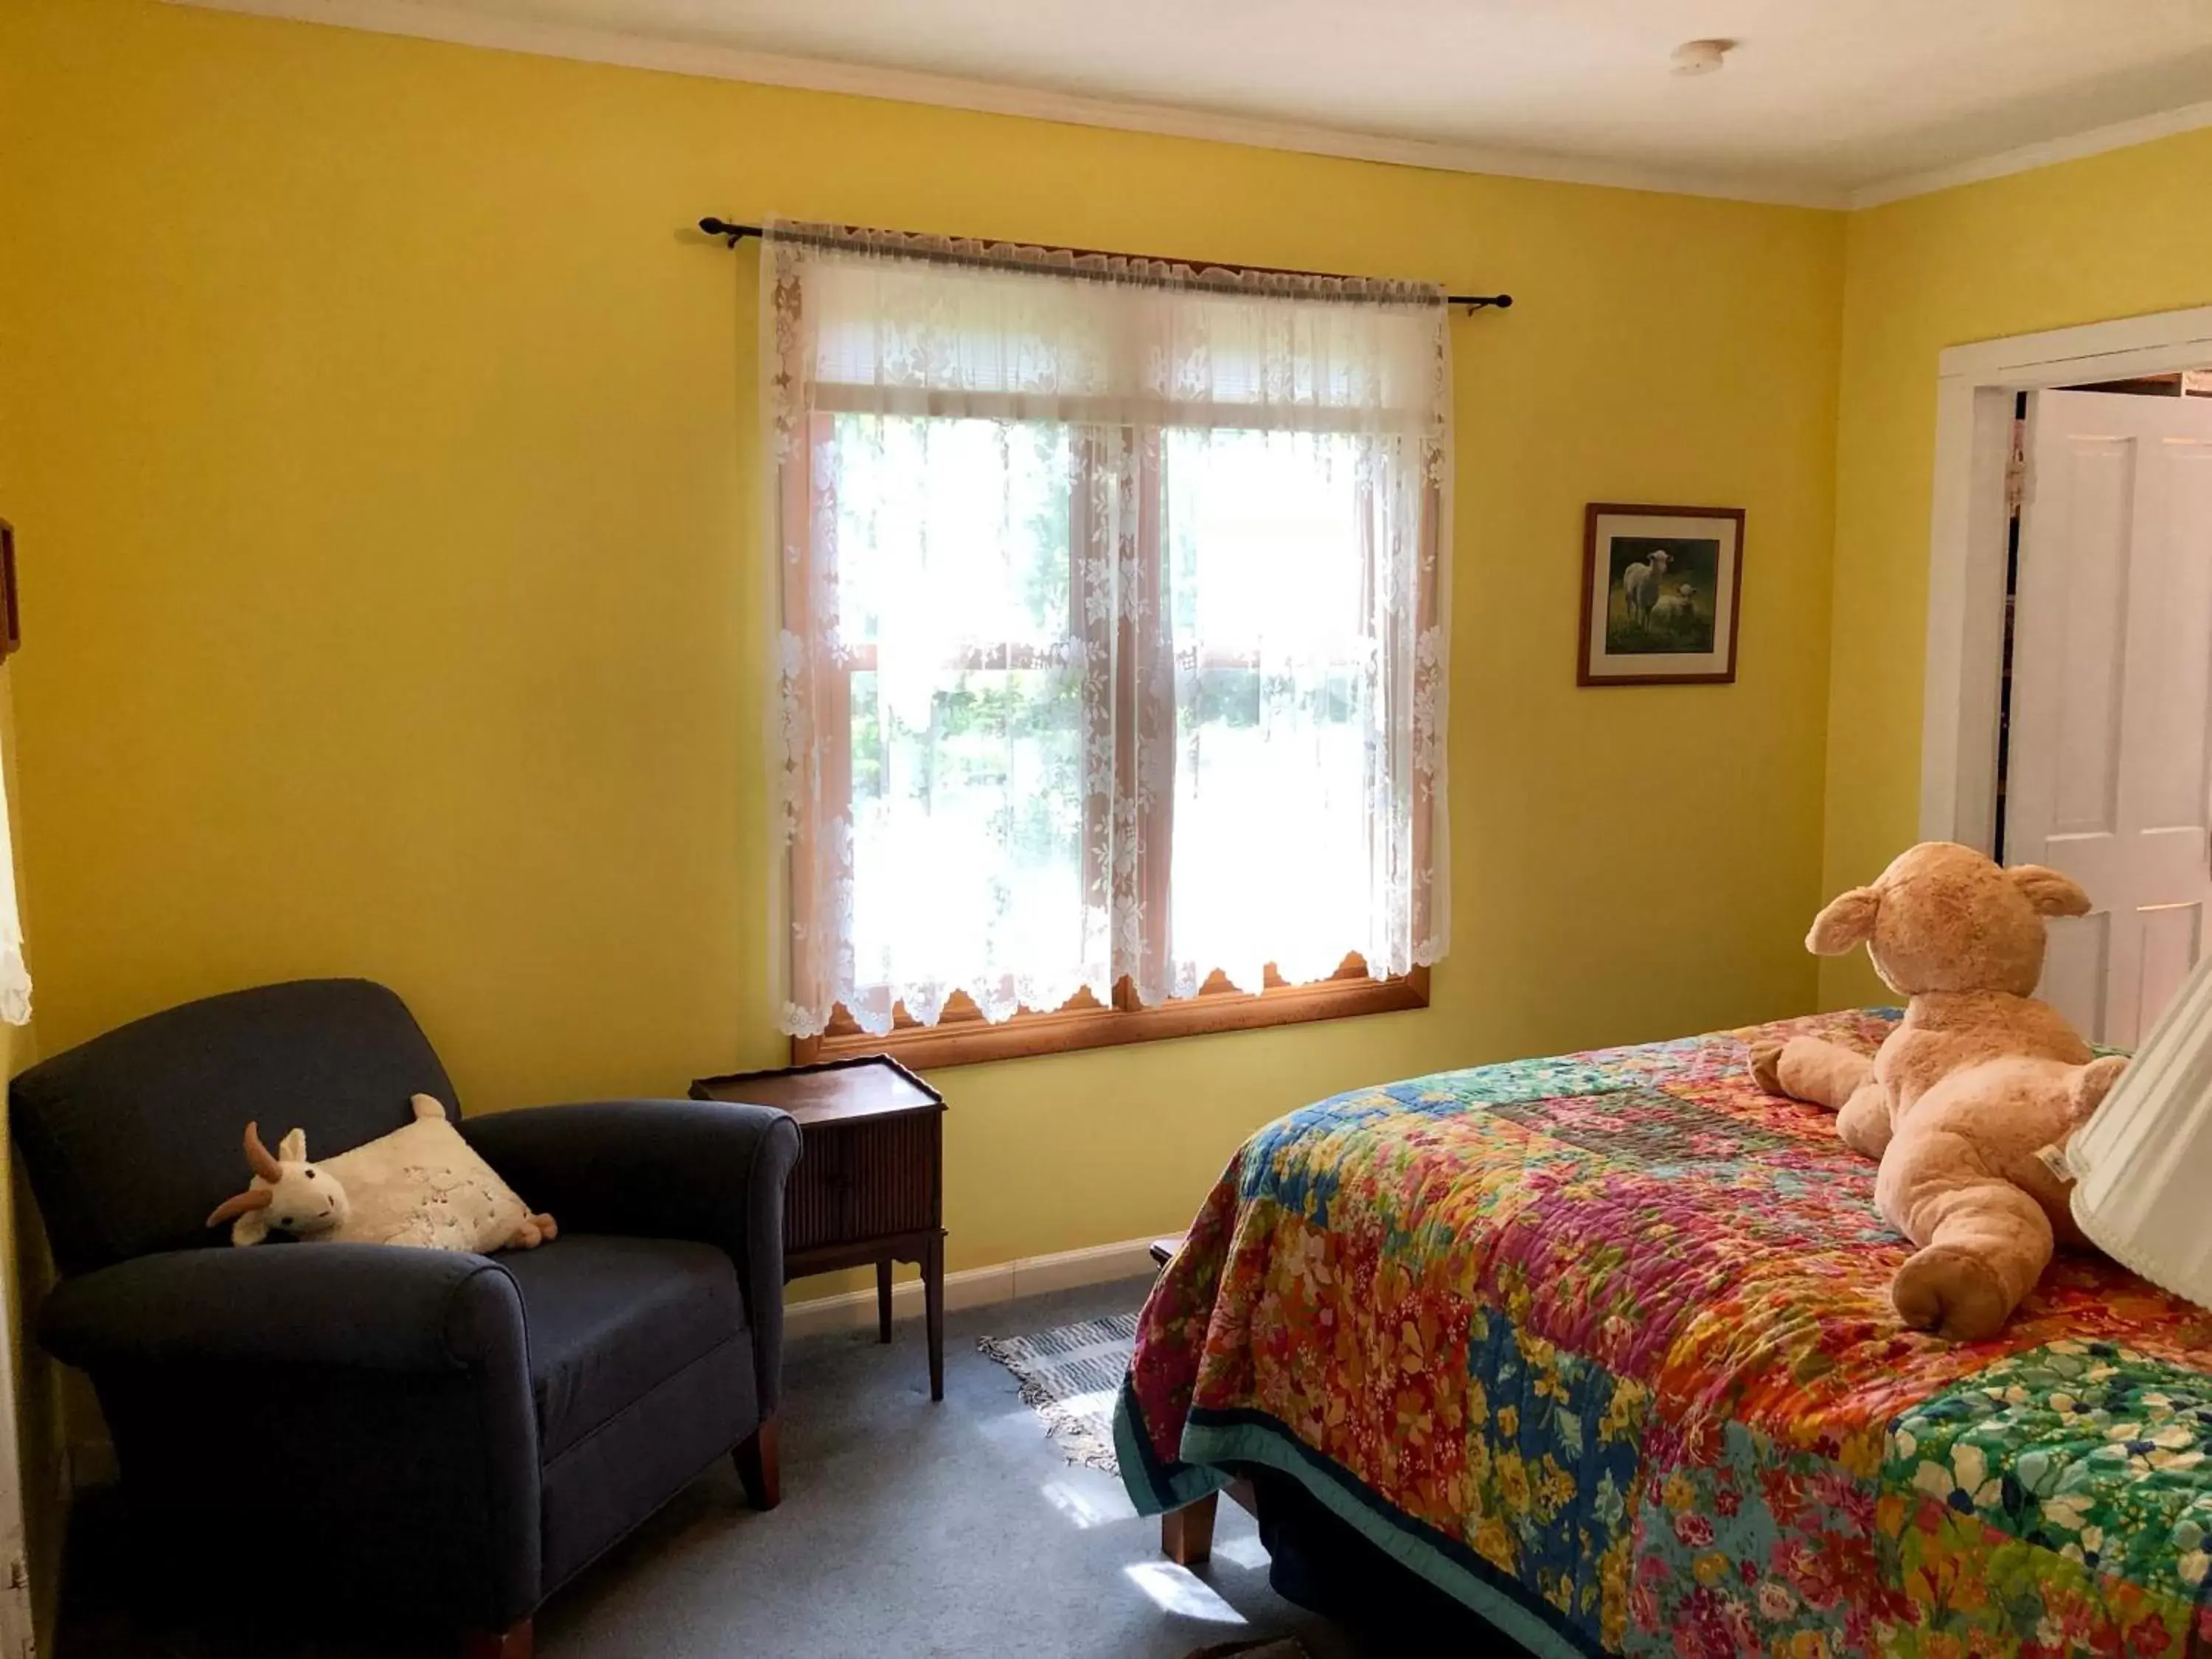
2110,750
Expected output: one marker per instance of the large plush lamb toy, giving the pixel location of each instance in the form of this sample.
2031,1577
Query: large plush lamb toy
1968,1090
422,1185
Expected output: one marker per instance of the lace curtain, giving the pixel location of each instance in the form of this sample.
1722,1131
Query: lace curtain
1114,601
15,978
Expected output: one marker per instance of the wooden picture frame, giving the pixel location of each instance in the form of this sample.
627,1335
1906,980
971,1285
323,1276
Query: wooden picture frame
11,627
1662,589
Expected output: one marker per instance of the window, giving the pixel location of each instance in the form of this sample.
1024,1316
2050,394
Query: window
1113,657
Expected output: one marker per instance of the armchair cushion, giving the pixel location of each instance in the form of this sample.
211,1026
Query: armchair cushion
611,1319
703,1171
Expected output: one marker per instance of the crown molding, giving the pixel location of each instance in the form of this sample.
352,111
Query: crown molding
2120,135
456,26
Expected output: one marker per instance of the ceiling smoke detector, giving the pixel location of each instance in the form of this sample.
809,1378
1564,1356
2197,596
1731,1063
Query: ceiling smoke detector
1701,56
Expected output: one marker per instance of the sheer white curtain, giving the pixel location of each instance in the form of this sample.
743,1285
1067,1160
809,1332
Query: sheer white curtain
14,977
1114,645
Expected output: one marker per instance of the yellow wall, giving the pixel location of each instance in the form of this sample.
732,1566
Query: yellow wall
393,604
2109,236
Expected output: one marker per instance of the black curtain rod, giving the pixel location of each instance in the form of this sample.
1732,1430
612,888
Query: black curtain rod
1473,302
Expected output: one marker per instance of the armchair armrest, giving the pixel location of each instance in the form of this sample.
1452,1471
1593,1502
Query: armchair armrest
365,1305
401,1376
706,1171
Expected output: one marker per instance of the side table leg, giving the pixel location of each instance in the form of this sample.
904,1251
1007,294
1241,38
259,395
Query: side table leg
932,1292
883,1300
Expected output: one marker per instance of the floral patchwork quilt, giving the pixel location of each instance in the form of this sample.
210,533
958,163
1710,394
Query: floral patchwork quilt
1602,1345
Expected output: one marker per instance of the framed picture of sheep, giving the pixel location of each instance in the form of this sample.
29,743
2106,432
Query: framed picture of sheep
1660,586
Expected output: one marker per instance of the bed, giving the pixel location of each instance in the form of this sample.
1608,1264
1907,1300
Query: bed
1600,1346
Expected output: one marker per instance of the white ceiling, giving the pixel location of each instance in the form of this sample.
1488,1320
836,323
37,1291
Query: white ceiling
1822,98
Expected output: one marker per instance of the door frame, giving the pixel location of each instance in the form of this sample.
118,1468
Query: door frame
1976,385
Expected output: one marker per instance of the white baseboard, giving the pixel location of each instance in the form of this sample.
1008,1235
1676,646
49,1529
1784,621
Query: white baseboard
973,1287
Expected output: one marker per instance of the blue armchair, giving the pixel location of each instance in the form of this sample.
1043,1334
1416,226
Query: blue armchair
470,1431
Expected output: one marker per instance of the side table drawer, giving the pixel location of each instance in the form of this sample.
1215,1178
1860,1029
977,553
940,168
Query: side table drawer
869,1179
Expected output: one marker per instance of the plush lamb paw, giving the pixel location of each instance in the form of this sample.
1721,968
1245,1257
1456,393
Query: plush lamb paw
1953,1292
1765,1066
536,1230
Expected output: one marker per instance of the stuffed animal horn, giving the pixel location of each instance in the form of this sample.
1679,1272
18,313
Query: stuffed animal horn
259,1158
238,1204
253,1198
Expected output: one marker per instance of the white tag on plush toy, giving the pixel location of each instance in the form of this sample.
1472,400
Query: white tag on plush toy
2054,1159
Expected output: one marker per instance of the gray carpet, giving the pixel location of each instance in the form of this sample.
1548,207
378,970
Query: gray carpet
907,1530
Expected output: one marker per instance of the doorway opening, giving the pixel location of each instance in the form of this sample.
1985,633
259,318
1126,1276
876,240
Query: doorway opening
2069,714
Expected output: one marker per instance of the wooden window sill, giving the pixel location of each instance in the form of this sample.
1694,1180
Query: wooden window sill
968,1039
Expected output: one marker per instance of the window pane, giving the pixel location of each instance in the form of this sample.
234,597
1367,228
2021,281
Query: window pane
984,855
952,552
1274,702
951,534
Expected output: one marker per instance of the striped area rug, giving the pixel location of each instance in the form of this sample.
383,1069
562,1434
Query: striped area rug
1070,1377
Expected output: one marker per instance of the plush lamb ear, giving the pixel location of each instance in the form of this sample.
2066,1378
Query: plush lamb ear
1848,920
2050,893
427,1107
292,1149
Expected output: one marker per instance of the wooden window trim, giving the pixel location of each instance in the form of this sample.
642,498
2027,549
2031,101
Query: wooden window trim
963,1038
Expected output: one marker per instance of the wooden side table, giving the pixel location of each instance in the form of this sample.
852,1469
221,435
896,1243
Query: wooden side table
870,1181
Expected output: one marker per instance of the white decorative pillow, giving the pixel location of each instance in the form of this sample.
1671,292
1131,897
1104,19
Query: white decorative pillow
422,1185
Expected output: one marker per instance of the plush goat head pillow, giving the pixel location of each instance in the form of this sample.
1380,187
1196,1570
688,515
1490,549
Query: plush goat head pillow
422,1185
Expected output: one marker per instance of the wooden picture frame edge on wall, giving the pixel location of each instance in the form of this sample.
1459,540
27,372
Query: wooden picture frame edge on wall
11,625
1591,513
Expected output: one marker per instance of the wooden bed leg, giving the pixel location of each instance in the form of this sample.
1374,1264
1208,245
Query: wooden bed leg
512,1643
1186,1534
760,1467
